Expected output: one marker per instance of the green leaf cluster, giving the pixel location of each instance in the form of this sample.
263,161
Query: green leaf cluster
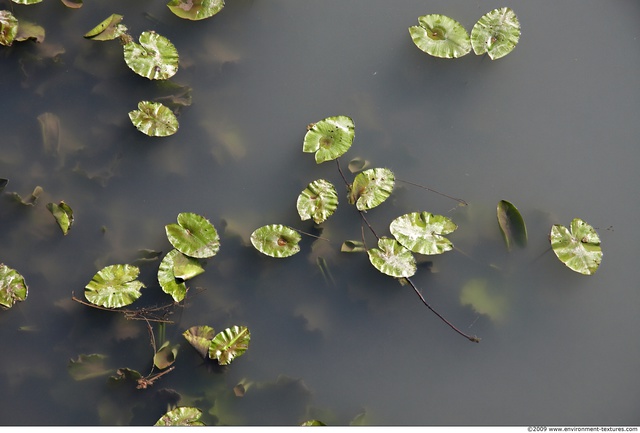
224,346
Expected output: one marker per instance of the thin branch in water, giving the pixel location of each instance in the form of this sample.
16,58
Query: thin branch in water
368,225
313,236
459,200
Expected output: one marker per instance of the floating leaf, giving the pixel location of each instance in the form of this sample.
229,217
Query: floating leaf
329,138
12,287
229,344
357,164
72,4
276,240
155,58
185,267
8,28
392,259
195,9
114,286
193,236
27,30
319,201
371,187
312,423
423,232
26,2
87,366
166,355
440,36
353,247
63,215
154,119
496,33
181,416
108,29
167,277
579,249
200,338
511,224
29,201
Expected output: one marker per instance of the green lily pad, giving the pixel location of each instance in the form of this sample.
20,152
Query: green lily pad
154,119
26,2
114,286
440,36
181,416
88,366
108,29
319,201
195,9
63,215
423,232
329,138
276,240
166,355
393,259
371,187
155,58
8,28
511,224
497,33
200,338
73,4
167,277
579,248
194,236
229,344
12,287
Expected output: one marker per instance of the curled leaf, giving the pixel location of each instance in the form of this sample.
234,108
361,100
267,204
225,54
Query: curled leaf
63,215
155,57
229,344
200,338
371,187
154,119
12,287
511,224
108,29
166,355
319,200
497,33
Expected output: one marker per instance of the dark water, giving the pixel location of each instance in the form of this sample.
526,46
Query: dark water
553,127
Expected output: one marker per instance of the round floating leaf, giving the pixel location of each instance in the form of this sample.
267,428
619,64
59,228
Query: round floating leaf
579,248
200,338
371,187
276,240
12,287
72,4
229,344
154,119
155,58
329,138
193,236
108,29
511,225
319,201
167,277
496,33
63,215
181,416
195,9
8,28
114,286
392,259
440,36
423,232
26,2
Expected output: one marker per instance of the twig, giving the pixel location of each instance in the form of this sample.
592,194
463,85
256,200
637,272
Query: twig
459,200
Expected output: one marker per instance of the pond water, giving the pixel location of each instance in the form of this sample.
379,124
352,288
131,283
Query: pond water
552,127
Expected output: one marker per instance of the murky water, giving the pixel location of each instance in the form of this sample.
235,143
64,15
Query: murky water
552,128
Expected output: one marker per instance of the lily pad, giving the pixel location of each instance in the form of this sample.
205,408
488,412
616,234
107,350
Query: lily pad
108,29
193,236
579,248
26,2
72,4
319,201
167,277
440,36
154,119
423,232
497,33
181,416
195,9
114,286
28,30
166,355
63,215
511,224
276,240
229,344
155,57
8,28
12,287
329,138
200,338
393,259
371,187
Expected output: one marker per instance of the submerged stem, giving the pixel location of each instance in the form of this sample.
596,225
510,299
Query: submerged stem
459,200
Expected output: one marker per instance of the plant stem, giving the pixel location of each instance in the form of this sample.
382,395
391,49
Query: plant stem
459,200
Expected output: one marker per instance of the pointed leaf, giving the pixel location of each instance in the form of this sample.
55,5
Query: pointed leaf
154,119
63,215
114,286
276,240
155,58
319,201
200,338
496,33
423,232
193,236
511,224
440,36
329,138
195,9
579,249
12,287
392,259
166,355
229,344
371,187
167,278
108,29
181,416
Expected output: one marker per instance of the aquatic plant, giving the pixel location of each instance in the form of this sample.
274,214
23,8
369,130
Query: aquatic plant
578,247
195,9
512,226
12,287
